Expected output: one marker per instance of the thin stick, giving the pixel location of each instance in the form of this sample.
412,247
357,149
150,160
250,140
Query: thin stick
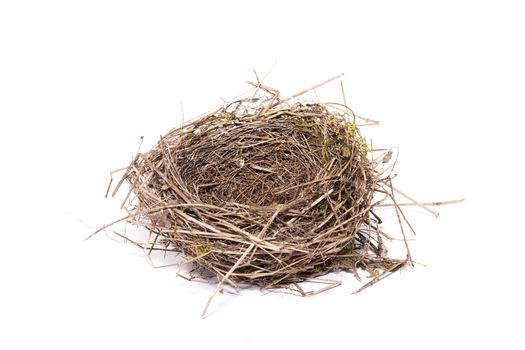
422,204
182,113
324,289
302,92
415,202
344,99
106,226
380,278
398,211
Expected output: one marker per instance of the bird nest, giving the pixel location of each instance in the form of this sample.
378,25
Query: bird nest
265,192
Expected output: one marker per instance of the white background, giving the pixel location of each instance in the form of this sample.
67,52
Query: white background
80,82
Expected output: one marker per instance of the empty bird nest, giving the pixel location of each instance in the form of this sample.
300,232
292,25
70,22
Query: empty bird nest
267,191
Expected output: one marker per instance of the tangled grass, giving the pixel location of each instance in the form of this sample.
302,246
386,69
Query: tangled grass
266,192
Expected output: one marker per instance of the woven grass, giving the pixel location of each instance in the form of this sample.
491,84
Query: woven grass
266,191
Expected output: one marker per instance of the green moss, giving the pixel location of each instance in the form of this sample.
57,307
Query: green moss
323,209
364,145
346,151
325,157
201,250
348,249
306,125
344,138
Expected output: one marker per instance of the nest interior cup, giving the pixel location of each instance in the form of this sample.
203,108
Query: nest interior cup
263,193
